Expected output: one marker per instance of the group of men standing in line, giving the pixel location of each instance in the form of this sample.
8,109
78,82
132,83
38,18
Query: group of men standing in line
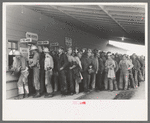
74,71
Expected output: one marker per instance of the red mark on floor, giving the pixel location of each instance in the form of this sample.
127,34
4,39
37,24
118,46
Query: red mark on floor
77,102
126,76
83,103
116,94
97,97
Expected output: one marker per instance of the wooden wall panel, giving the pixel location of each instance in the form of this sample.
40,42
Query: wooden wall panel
17,24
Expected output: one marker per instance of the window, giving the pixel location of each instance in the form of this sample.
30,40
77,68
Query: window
12,47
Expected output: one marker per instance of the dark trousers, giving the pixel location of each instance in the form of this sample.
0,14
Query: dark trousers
42,81
99,81
136,77
86,81
102,80
30,82
56,84
140,76
70,81
63,81
143,72
106,80
131,79
123,82
117,77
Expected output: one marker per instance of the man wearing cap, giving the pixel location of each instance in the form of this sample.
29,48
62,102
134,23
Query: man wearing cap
142,61
124,66
20,66
42,70
95,63
110,72
49,65
62,64
87,69
136,68
36,70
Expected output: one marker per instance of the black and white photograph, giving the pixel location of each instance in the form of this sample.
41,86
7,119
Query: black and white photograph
76,54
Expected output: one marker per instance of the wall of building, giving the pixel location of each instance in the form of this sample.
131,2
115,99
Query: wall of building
18,23
114,49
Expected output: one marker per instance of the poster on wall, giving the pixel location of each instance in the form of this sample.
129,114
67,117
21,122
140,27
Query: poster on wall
34,36
68,41
42,42
54,46
24,52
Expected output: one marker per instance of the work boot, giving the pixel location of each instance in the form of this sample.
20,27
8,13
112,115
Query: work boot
26,96
116,87
19,97
37,95
48,95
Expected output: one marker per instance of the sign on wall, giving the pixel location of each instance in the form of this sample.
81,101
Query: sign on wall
34,36
25,40
42,42
68,41
54,44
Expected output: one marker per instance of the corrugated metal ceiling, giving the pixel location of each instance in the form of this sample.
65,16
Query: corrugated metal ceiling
107,21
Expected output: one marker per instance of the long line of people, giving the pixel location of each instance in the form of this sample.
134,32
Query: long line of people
74,71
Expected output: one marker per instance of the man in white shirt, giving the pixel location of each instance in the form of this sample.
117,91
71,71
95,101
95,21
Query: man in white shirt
48,66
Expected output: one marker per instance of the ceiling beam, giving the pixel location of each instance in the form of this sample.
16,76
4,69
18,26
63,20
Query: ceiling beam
126,13
80,10
104,35
129,21
124,8
129,24
102,7
89,15
87,7
97,21
128,16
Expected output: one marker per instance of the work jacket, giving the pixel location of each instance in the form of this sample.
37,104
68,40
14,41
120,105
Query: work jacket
86,62
35,61
62,61
125,66
49,64
136,64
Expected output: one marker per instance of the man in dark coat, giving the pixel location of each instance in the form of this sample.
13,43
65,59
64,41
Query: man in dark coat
62,64
99,74
86,61
42,71
136,68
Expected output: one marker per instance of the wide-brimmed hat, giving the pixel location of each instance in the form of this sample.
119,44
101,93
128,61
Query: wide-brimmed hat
46,50
17,53
33,47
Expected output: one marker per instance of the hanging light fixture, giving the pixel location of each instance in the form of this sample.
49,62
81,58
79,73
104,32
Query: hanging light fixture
122,38
40,16
22,9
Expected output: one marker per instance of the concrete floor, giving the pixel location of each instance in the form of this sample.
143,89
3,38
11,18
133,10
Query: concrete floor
132,94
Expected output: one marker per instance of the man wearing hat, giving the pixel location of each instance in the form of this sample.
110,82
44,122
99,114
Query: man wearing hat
87,70
20,66
36,70
62,64
49,65
124,65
